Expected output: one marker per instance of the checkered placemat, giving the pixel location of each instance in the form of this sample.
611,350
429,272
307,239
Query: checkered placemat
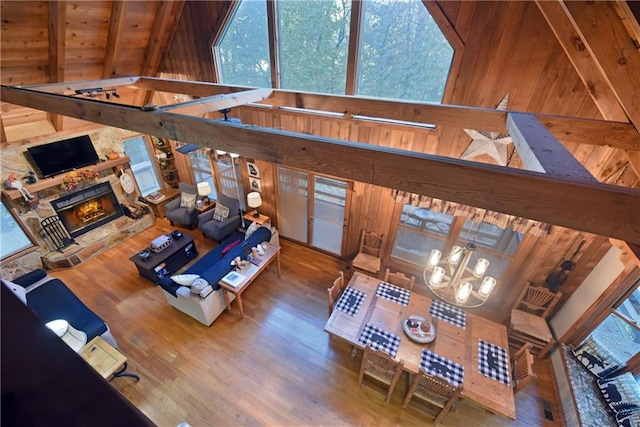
350,301
493,362
435,364
379,339
448,313
393,293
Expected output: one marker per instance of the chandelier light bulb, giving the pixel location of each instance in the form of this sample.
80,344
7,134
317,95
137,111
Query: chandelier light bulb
434,258
481,267
462,295
456,255
487,287
436,277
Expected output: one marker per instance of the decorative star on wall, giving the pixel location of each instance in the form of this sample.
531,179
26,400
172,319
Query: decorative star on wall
493,144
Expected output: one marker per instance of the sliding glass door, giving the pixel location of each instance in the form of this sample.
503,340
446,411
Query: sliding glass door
312,209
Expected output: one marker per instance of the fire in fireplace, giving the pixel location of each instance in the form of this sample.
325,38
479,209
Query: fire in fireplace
87,209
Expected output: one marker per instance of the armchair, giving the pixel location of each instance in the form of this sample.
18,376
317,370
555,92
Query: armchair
183,209
218,230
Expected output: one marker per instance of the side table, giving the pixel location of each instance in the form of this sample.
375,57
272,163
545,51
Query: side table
157,206
204,208
108,361
260,220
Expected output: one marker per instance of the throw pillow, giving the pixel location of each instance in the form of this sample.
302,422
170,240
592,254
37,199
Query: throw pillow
251,229
198,285
221,212
187,200
628,419
597,358
185,279
622,389
18,290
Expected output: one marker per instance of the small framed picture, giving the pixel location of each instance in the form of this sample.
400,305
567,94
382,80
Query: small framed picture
254,184
253,170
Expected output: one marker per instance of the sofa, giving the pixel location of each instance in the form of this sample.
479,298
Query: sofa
212,267
176,211
218,230
50,299
600,394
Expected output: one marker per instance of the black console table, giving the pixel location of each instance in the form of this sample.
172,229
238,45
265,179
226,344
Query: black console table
167,261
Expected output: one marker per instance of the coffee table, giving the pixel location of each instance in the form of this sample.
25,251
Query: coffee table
167,261
249,273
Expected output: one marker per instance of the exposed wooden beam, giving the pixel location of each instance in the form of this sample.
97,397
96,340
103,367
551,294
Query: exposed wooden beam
218,102
274,48
354,47
587,68
593,207
158,41
566,129
71,87
444,24
540,151
116,27
57,26
611,47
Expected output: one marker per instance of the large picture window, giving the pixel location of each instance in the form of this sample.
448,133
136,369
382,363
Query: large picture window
14,238
142,165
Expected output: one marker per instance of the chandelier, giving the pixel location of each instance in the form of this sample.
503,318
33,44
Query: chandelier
452,280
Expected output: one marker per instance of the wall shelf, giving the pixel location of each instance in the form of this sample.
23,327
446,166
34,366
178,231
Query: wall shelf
43,184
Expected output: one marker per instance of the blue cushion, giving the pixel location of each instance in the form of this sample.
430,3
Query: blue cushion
53,300
621,390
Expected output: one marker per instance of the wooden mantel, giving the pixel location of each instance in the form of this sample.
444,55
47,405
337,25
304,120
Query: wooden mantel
46,183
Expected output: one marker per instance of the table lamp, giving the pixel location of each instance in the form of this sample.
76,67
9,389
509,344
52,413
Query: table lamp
204,189
254,200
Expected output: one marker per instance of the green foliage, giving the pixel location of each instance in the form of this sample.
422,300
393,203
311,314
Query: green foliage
403,53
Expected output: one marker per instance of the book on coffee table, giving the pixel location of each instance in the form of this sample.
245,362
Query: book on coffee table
233,278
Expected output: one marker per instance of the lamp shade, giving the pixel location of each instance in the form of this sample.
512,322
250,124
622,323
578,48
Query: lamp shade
204,189
254,200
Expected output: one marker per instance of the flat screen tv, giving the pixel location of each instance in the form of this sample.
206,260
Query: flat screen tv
62,156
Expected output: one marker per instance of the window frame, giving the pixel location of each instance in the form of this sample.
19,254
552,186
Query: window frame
22,252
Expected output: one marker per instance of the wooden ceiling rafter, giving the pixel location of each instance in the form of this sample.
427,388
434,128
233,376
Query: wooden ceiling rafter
159,39
57,17
116,28
523,193
202,106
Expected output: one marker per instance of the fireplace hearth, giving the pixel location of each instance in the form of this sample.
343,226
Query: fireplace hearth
87,209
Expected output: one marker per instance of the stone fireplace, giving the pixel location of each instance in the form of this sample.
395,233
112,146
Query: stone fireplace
87,209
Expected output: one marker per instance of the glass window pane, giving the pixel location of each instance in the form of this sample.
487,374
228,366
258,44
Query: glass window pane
618,336
243,51
230,180
142,166
14,239
631,307
491,236
403,53
202,170
419,231
314,44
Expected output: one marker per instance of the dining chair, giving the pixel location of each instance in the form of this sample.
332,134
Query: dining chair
335,291
528,323
522,368
399,279
368,257
380,370
434,395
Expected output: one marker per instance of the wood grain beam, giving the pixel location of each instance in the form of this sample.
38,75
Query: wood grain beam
57,30
354,47
540,151
159,39
218,102
587,68
70,87
611,47
566,129
274,48
593,207
116,27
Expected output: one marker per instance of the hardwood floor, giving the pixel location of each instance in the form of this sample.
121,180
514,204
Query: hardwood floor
275,367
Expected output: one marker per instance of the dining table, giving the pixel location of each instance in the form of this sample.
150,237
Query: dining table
467,348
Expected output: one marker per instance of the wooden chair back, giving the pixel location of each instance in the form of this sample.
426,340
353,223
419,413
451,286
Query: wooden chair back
435,392
522,365
335,290
371,243
380,367
399,279
537,300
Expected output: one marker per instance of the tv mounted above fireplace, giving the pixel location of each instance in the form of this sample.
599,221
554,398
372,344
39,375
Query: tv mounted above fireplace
62,156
